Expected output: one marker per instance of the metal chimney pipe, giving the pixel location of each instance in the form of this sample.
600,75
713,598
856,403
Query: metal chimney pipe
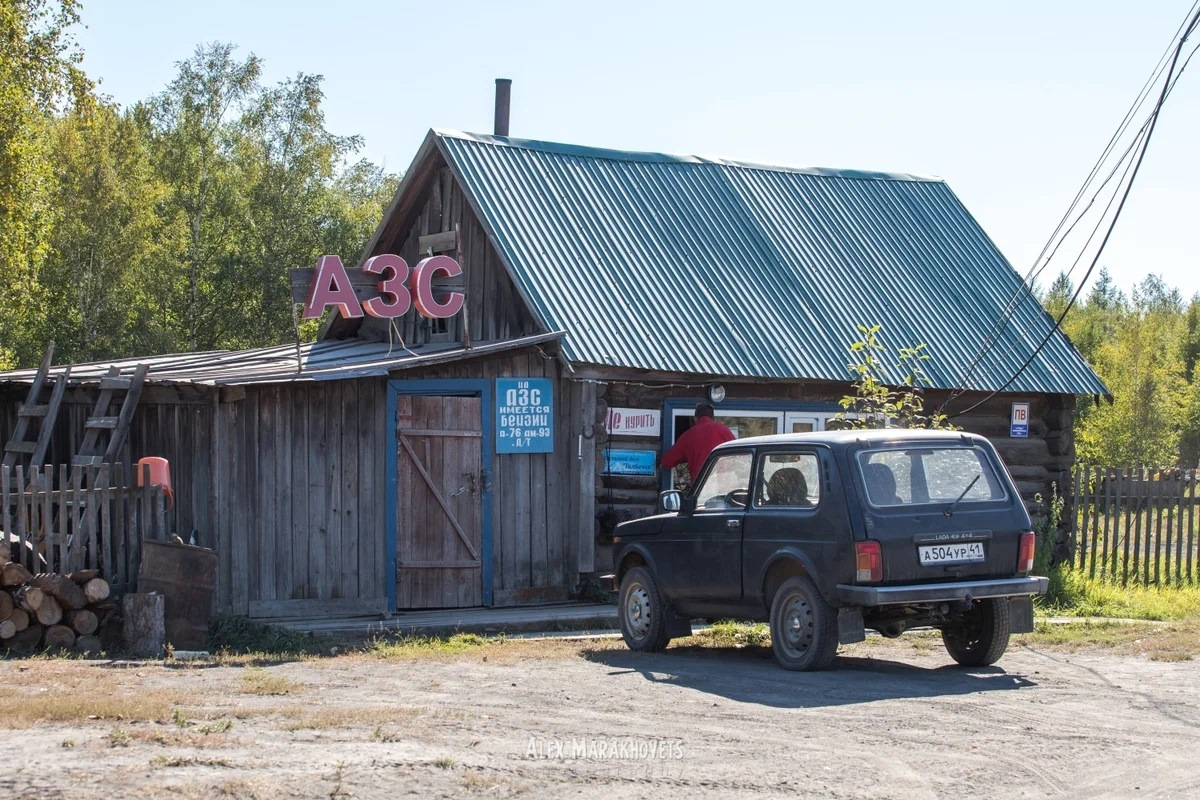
503,96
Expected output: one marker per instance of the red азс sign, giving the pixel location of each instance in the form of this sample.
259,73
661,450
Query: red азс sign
399,288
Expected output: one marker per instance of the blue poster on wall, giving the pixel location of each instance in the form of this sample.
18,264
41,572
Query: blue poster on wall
630,462
524,415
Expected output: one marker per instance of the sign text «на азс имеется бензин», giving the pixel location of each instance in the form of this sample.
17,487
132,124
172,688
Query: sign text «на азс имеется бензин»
524,415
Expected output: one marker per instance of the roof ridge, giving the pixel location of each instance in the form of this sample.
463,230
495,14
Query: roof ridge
602,153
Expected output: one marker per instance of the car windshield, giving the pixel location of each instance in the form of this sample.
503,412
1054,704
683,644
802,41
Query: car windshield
917,475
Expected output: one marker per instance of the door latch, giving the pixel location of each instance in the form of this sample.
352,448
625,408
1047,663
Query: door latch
732,523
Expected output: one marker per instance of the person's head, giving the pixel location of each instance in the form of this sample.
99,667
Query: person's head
704,410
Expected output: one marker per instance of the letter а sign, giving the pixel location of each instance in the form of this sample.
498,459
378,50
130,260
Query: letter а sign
399,288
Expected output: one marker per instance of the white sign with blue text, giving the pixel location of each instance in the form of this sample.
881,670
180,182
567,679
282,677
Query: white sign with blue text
524,415
1019,425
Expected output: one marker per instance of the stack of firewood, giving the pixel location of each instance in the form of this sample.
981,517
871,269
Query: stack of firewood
52,611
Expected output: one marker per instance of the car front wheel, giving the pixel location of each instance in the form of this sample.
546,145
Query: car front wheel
981,637
643,613
803,626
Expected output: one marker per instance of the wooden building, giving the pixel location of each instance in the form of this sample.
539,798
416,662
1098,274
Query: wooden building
482,460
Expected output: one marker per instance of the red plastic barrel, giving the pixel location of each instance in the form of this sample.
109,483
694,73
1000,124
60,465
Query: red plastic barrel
160,475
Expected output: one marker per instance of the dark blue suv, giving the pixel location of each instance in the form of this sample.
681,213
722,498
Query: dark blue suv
827,534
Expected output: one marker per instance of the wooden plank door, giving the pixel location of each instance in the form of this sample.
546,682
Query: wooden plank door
439,502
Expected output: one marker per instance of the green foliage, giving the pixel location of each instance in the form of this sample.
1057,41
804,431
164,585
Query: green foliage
876,402
1072,593
230,633
1141,348
171,225
1047,519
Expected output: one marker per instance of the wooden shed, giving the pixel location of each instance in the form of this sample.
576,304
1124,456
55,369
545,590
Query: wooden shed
483,459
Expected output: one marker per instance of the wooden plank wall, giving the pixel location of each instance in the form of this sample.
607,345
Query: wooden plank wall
532,530
315,507
495,309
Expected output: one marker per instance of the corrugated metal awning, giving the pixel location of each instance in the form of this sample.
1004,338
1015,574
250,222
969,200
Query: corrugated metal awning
319,361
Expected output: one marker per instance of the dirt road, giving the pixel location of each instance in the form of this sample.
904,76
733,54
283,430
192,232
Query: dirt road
593,720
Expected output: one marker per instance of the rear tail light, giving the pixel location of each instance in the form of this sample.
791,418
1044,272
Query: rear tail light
1025,553
869,560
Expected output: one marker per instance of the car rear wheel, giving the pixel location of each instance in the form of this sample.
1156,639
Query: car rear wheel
981,638
643,613
803,626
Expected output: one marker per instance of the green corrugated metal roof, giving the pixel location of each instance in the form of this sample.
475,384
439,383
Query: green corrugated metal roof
686,264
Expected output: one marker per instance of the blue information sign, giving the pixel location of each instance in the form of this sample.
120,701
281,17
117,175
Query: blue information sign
1019,424
524,415
630,462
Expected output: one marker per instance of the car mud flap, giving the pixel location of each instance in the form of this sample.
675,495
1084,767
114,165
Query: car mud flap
679,627
850,625
1020,615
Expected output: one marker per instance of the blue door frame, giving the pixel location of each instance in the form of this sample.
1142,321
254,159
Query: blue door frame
459,388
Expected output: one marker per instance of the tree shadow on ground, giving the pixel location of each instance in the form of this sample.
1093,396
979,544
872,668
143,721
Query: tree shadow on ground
750,675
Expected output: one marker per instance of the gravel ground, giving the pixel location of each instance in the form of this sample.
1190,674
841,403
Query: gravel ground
590,719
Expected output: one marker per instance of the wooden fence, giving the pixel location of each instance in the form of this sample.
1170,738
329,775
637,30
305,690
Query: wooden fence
69,518
1136,526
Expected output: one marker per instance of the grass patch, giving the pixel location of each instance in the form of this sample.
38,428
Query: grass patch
256,680
417,646
230,633
731,633
1073,594
1171,641
118,737
23,712
333,718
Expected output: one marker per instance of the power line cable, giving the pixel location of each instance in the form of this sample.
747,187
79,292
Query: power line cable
1168,85
1026,286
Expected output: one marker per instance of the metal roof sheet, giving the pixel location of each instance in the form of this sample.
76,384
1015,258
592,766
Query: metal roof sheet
320,361
700,265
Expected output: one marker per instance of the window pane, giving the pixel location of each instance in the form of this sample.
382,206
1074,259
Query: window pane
789,479
749,426
946,471
949,473
729,473
888,476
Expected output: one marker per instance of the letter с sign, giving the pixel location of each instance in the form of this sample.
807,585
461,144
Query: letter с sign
399,288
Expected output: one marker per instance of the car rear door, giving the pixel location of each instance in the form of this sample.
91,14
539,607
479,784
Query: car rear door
940,511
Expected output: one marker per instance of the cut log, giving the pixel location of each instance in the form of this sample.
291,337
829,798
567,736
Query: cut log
67,592
5,548
96,590
49,612
6,605
82,576
144,630
83,621
25,640
89,645
8,629
59,637
29,598
20,618
14,574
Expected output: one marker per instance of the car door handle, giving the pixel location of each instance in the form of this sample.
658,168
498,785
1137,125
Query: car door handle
733,523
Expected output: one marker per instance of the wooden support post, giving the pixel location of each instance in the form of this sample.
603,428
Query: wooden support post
587,479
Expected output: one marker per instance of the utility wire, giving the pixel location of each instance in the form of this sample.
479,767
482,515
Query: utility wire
1168,85
1026,287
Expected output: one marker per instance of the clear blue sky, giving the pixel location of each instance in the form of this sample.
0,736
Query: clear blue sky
1009,102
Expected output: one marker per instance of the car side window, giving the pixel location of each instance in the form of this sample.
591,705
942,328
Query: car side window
729,474
788,479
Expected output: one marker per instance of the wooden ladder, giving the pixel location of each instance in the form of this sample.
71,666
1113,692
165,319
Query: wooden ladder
22,444
94,451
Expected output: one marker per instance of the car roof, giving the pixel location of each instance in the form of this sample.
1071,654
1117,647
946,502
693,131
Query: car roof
866,438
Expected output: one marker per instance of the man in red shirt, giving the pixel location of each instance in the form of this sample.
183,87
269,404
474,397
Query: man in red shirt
693,447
